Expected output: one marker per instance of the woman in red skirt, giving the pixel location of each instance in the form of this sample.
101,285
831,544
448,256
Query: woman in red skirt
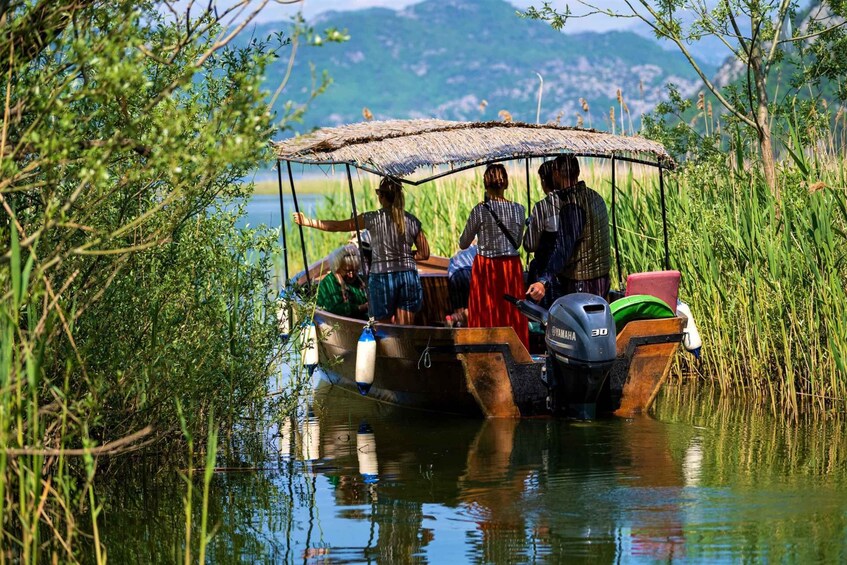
497,224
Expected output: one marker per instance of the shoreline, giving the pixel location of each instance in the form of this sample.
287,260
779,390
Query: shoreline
316,186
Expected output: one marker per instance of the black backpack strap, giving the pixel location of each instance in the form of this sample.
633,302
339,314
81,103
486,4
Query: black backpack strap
502,227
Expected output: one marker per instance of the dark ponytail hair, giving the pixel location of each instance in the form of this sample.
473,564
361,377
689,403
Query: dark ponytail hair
392,191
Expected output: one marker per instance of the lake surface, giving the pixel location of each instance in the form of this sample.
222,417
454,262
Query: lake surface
264,208
351,480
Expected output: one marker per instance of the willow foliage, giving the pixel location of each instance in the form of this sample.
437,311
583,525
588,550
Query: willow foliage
125,287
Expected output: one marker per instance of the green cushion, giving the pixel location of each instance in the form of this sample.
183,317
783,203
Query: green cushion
639,307
536,328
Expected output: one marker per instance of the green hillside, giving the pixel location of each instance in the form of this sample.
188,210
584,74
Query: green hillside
443,59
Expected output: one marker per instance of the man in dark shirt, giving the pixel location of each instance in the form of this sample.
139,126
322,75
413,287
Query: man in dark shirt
541,233
580,258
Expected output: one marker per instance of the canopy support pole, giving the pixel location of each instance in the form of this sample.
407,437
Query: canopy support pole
355,218
528,202
615,222
664,220
302,239
282,222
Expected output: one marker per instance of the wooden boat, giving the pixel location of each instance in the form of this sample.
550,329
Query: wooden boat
484,372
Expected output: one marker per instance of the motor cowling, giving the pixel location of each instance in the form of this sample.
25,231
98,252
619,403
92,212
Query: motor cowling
581,346
580,327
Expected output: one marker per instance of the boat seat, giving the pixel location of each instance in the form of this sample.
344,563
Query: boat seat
639,307
436,300
661,284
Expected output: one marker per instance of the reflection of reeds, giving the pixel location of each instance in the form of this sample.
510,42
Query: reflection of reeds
723,443
747,439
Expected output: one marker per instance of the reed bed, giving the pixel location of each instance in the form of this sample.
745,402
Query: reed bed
764,278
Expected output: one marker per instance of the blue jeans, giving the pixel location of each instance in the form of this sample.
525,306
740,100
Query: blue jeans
391,291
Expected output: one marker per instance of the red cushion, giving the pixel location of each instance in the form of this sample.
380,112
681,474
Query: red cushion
661,284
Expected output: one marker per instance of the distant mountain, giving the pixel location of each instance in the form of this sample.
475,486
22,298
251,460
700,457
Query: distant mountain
709,51
470,59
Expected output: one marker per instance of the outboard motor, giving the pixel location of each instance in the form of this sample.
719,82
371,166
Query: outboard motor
581,348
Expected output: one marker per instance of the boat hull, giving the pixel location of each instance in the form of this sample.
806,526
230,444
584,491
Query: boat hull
486,372
470,371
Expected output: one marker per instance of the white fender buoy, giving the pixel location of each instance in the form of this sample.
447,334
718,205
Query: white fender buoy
365,360
366,454
309,347
691,339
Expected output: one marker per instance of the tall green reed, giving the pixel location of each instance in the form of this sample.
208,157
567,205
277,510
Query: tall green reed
211,454
763,277
36,488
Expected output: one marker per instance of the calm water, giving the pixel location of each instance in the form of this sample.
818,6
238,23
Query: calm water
351,480
264,208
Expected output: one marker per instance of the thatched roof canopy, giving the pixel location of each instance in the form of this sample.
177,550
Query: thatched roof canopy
400,147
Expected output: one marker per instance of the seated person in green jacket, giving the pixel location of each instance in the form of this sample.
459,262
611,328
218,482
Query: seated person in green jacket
342,291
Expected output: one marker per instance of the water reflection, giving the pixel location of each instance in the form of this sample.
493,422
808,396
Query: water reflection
366,454
264,208
311,438
353,480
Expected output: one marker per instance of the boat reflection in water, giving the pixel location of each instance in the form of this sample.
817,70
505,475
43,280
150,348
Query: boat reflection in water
301,441
366,453
427,486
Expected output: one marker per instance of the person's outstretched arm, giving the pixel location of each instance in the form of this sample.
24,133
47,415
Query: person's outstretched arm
328,225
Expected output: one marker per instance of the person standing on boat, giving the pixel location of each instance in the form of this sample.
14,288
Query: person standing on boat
394,287
540,236
581,257
497,224
342,291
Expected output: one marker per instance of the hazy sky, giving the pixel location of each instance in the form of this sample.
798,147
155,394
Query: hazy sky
275,11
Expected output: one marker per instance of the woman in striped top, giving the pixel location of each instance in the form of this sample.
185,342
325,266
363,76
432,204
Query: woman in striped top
397,242
498,226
